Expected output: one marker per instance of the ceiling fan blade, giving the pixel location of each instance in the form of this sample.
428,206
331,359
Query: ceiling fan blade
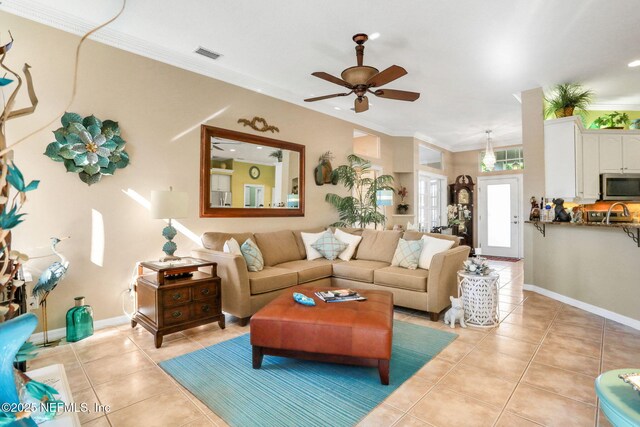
361,104
319,98
328,77
386,76
216,147
400,95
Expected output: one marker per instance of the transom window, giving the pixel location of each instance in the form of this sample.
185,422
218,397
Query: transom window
506,160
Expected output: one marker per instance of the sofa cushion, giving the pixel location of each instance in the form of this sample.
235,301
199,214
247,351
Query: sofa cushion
309,271
329,246
417,235
215,241
402,278
359,270
300,243
277,247
271,279
407,254
351,240
430,248
378,245
252,255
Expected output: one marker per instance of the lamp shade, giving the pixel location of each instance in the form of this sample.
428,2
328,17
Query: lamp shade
169,204
384,197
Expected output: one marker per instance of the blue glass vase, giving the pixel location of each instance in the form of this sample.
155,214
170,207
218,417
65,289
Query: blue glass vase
79,321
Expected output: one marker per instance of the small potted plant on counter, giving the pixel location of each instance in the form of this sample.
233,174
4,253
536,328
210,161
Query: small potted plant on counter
403,207
613,120
566,98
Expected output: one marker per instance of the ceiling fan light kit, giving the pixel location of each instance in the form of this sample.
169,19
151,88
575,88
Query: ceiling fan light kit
361,78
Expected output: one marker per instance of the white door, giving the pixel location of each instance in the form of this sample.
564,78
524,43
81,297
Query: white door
499,227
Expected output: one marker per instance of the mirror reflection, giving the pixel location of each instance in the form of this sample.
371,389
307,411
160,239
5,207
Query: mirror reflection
246,175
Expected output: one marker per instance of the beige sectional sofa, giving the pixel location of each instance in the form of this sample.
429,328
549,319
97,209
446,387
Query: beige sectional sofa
245,292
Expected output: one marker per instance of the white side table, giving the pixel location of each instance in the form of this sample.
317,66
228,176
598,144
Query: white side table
479,298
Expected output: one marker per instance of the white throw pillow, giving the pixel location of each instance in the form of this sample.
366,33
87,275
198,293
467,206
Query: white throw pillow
309,239
430,247
350,239
231,246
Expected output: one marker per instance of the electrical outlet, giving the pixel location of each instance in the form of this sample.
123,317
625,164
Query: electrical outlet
32,303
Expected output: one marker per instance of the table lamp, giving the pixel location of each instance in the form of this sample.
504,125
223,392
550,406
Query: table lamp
169,205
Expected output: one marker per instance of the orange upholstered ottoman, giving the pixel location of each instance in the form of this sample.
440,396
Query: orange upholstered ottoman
354,332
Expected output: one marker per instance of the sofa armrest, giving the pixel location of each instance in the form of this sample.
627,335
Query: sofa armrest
232,270
443,281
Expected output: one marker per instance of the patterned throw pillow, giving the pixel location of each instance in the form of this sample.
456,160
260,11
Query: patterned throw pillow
252,255
329,246
407,254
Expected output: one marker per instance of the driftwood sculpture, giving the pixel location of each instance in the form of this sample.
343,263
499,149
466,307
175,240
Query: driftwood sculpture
10,176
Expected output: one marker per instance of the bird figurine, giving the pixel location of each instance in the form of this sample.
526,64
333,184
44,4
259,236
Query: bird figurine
47,282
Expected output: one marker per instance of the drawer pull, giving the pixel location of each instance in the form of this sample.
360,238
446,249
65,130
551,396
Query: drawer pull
206,308
176,313
177,296
205,291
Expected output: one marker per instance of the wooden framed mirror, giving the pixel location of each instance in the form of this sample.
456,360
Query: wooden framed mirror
244,175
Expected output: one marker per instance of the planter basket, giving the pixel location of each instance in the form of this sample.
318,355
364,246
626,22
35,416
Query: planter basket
564,112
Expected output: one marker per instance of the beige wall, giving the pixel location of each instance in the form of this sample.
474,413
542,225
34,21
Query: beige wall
533,184
160,109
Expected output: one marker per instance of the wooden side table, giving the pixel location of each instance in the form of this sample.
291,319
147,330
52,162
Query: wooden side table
177,296
480,299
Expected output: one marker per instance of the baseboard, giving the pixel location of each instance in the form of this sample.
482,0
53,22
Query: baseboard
607,314
56,334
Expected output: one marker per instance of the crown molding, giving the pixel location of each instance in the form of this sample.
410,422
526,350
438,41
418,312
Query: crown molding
51,17
614,107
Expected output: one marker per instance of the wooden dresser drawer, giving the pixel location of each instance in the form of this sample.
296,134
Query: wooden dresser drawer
176,296
205,308
177,314
205,290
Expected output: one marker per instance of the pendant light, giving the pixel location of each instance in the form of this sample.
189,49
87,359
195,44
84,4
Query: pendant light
489,158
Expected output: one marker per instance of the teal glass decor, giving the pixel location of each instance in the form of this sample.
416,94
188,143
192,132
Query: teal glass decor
79,321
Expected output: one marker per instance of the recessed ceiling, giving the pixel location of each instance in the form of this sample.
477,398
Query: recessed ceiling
467,58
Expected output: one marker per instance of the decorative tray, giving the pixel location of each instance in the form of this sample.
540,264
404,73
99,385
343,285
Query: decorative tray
632,379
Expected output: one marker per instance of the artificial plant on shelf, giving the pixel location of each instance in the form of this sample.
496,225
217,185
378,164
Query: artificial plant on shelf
566,99
359,208
613,120
403,207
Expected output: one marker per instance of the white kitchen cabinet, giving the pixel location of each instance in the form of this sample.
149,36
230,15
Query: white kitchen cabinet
610,153
631,153
571,162
560,159
220,182
590,167
619,153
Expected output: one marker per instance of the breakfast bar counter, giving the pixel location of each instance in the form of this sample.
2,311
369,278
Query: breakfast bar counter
631,228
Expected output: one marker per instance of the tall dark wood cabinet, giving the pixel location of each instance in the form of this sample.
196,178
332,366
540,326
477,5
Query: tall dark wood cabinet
461,193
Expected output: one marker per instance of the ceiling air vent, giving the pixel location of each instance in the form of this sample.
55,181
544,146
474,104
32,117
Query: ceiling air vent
208,53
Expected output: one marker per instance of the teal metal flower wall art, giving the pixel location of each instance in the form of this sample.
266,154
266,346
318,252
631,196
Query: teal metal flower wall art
89,147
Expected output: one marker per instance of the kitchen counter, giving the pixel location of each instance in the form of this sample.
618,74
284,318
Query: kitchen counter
589,224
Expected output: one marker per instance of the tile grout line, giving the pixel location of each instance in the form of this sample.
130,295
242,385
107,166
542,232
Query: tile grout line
504,408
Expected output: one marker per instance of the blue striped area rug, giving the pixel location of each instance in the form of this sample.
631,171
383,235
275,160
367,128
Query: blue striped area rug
290,392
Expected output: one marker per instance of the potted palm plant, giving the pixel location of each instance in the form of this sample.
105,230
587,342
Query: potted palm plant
360,207
566,98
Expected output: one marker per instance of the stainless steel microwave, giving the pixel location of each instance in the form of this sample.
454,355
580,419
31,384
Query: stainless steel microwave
616,186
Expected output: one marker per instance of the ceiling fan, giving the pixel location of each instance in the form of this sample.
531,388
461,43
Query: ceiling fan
216,142
361,78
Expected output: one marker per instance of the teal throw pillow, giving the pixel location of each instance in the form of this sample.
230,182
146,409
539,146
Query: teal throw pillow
252,255
329,246
407,254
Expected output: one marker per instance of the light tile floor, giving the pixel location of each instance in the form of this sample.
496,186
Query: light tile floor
537,368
